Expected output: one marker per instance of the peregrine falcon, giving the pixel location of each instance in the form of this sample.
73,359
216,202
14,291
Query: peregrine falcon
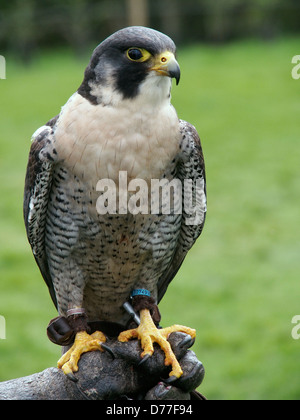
119,119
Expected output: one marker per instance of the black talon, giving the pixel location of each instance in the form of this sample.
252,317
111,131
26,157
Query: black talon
71,376
187,342
144,359
109,350
170,380
162,390
193,342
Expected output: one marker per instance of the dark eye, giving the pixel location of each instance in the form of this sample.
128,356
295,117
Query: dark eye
135,54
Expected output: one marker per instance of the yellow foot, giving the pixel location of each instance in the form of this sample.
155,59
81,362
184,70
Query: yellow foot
82,344
149,334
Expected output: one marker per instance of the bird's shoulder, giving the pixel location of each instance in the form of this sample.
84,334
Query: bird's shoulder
190,139
42,154
192,158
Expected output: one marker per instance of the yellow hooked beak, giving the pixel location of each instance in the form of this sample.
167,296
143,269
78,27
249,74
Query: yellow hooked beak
167,65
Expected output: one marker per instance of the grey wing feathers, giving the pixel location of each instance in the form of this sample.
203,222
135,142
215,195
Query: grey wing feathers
190,167
36,195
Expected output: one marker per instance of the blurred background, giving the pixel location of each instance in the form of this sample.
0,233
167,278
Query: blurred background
239,285
27,26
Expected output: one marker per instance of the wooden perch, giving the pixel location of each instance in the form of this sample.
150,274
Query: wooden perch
103,377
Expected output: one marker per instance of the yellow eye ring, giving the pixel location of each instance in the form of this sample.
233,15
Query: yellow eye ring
139,55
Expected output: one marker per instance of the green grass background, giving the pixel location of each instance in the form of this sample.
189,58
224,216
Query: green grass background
239,286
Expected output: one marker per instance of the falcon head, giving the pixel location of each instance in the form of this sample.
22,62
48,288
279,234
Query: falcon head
133,62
